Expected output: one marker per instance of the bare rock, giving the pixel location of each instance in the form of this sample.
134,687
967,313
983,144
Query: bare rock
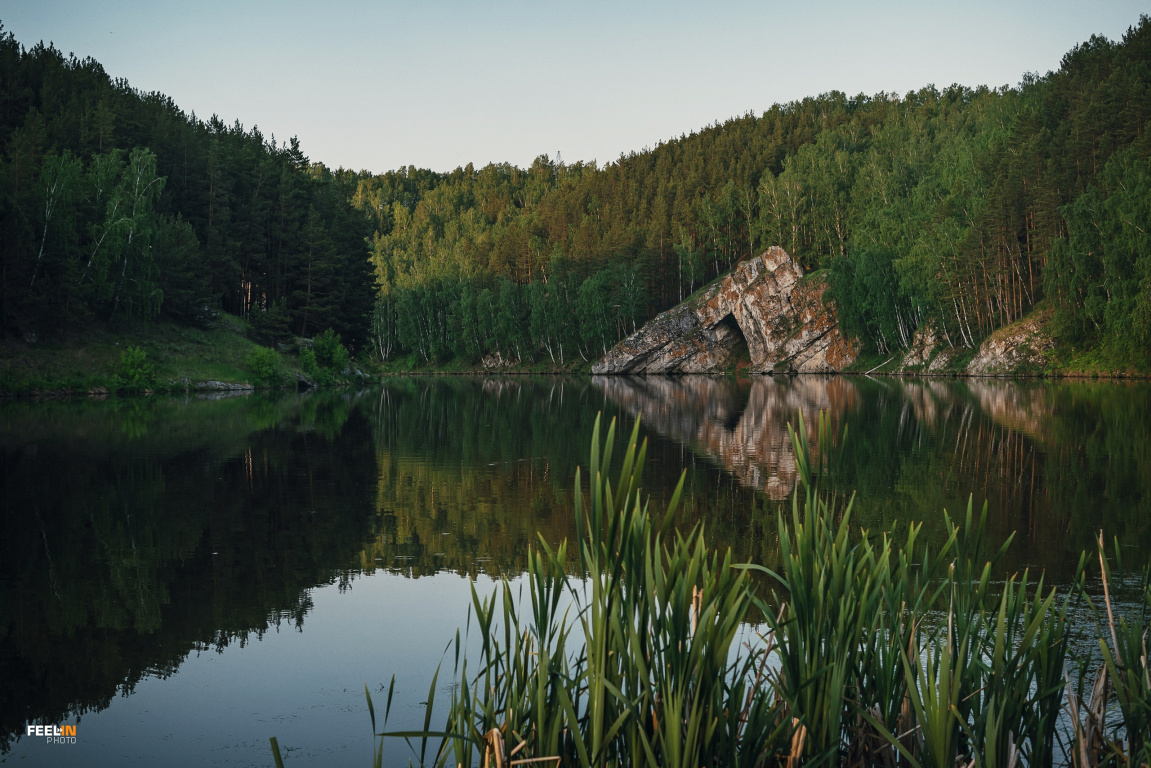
222,386
1018,349
927,354
494,361
764,303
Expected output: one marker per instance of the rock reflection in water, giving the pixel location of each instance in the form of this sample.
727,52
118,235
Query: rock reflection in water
740,426
1054,462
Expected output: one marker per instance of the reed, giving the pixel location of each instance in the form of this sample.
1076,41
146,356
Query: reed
877,650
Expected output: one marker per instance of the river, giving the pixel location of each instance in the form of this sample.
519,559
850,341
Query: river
181,578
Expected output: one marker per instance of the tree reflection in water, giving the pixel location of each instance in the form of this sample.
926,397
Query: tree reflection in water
136,532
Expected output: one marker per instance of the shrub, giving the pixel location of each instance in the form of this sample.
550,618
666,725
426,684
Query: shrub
134,373
330,354
308,363
264,364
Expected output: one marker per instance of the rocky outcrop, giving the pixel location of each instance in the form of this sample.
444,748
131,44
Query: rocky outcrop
1018,349
494,361
222,386
927,354
765,304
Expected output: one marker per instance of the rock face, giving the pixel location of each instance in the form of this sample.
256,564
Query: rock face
764,303
222,386
495,361
927,354
1019,348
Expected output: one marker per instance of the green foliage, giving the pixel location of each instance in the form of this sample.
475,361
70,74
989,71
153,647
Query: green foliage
330,354
264,363
184,285
134,374
120,205
308,364
326,359
271,324
872,304
1101,271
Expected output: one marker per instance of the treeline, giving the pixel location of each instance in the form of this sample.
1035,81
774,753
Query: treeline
961,207
116,204
564,319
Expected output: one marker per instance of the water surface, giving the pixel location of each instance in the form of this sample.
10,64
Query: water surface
186,577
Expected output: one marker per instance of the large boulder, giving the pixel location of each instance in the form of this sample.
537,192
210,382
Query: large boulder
1019,349
765,303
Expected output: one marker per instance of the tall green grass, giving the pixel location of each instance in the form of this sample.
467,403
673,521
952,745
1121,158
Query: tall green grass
876,650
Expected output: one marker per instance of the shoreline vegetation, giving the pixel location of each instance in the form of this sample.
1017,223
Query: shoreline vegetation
226,357
165,357
872,650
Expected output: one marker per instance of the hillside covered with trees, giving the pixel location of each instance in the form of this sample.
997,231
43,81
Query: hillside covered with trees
117,204
964,207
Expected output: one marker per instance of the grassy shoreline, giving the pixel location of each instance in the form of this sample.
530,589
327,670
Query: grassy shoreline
101,360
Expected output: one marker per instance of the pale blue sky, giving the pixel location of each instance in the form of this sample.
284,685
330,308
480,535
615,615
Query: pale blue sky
379,85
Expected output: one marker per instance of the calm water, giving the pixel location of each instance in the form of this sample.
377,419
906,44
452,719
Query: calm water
185,578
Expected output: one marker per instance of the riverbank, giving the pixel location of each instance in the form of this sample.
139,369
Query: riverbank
157,356
180,357
1026,348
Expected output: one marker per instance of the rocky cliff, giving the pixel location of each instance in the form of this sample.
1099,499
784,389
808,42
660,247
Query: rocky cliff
765,305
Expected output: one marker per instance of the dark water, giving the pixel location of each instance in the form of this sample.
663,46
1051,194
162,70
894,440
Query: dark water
183,579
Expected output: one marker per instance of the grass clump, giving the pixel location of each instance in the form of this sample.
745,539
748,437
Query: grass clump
874,650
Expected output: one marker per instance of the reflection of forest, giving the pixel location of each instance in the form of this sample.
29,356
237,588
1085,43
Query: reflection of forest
471,472
1053,461
136,532
133,532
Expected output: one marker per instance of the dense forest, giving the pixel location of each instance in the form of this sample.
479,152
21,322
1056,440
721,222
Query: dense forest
116,204
960,207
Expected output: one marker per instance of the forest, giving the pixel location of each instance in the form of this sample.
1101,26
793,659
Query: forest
117,206
961,207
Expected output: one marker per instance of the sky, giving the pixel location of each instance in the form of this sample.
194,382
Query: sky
438,84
